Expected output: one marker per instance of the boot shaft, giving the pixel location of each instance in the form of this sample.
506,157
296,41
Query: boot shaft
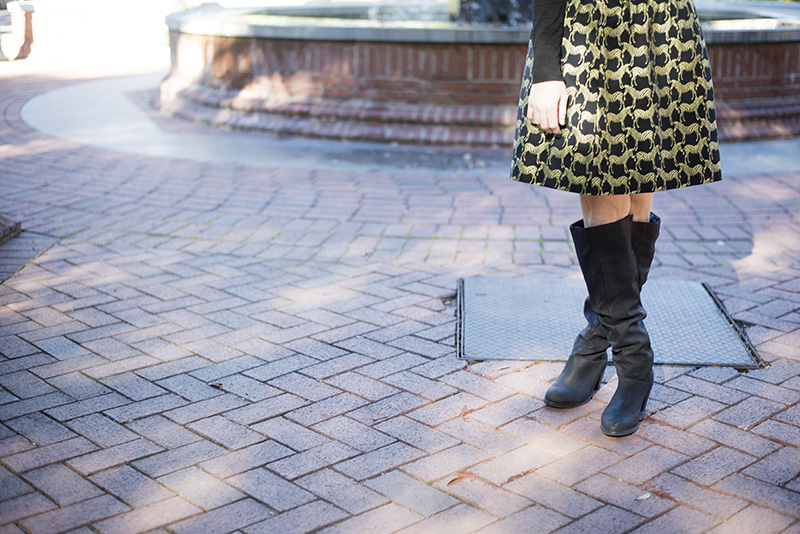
615,260
611,272
643,239
608,263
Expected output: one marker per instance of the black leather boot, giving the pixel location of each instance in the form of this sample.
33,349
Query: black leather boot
583,372
580,379
612,277
643,238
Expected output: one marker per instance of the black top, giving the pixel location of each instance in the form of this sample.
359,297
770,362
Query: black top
548,28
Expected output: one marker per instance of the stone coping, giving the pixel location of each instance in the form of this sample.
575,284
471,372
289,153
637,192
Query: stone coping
249,23
286,22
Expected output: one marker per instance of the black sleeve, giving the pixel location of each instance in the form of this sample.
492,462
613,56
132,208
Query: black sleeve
548,28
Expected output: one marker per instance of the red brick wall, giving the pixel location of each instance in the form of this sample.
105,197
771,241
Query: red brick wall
427,92
431,73
422,73
753,71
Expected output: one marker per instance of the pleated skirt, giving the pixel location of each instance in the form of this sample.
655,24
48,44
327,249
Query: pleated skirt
640,114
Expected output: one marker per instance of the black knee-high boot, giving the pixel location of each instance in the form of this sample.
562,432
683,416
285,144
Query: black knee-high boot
583,372
609,267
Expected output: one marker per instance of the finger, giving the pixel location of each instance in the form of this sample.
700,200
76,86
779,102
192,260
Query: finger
562,110
538,118
546,126
534,112
552,121
544,119
541,122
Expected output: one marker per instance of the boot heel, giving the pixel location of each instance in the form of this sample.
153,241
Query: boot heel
643,411
618,420
571,389
597,386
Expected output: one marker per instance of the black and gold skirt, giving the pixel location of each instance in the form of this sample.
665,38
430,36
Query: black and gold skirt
640,114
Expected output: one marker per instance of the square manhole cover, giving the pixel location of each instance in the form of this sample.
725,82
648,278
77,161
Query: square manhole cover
537,318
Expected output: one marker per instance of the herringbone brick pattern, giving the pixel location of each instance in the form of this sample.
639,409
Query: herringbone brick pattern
217,348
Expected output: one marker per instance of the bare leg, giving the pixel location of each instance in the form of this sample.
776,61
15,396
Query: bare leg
640,206
604,210
608,209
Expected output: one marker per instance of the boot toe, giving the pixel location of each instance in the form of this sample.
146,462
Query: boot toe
618,423
555,398
619,428
558,397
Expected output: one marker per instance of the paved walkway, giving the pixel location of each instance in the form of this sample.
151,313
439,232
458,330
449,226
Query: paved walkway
257,336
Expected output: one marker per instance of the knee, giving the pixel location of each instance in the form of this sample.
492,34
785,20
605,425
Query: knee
604,210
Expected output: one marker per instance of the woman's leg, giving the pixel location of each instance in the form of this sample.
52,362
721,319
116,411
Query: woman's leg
604,210
606,252
608,209
640,206
583,372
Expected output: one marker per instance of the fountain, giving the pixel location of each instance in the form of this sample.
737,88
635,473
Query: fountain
420,73
511,12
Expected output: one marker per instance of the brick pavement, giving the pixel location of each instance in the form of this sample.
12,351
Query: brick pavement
222,348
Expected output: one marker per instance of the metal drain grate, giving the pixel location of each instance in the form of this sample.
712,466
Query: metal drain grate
537,318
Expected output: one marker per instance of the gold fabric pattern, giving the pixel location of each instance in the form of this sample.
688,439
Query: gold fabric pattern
640,114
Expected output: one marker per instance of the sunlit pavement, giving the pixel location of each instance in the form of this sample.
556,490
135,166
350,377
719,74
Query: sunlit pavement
228,332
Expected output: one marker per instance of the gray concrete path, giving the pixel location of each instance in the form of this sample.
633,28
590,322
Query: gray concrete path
101,113
265,342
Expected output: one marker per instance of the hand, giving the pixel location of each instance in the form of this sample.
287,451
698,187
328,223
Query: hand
547,105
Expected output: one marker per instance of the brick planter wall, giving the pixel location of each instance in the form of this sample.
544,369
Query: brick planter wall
758,89
427,92
756,70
